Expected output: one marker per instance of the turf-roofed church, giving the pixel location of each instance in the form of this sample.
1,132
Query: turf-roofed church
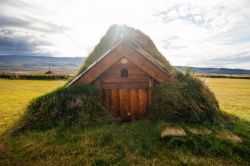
126,72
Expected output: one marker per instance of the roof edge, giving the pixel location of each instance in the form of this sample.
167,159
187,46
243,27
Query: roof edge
83,72
153,62
131,46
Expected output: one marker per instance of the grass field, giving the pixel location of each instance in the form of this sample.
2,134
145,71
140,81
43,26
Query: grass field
15,95
233,95
136,143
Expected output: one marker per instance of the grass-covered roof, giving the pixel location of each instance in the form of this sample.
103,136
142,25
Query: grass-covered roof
115,34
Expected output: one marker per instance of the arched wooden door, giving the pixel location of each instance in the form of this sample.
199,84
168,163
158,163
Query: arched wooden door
126,89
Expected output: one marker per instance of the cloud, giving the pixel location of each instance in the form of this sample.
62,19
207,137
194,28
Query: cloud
182,12
16,43
12,21
239,58
22,32
190,32
233,61
207,32
29,23
13,3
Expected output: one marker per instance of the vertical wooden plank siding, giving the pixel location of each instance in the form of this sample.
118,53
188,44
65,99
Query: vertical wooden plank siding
124,102
106,98
142,102
149,98
134,103
150,82
129,96
114,100
129,103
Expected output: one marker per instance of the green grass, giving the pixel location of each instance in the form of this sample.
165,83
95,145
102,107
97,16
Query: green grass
185,100
66,106
135,143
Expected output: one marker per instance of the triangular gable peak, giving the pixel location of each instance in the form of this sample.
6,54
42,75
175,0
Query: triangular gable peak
131,52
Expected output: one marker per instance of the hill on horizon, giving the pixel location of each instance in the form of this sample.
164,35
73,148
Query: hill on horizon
23,63
70,65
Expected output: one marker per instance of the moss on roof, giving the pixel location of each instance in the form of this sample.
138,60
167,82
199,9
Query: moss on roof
115,34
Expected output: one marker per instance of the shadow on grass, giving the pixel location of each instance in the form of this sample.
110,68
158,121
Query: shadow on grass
138,142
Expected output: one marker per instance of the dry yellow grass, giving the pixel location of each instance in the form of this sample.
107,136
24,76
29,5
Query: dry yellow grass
16,94
232,94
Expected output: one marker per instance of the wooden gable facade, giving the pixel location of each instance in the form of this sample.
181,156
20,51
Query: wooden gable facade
125,76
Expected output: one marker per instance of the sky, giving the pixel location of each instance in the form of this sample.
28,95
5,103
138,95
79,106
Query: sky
187,32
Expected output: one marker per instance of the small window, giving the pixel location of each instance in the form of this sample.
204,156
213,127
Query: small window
124,73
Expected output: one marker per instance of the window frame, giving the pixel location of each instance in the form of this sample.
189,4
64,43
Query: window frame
124,73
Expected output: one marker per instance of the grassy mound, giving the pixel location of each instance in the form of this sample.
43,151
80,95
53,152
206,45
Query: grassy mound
74,105
185,99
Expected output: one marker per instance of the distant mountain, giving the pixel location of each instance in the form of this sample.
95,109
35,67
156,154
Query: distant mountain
70,65
215,70
17,63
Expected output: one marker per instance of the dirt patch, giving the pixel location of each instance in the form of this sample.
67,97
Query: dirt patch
199,130
229,136
173,132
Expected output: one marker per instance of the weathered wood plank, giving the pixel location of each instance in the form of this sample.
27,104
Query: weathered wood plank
97,69
134,103
124,85
142,102
114,72
117,77
145,65
151,82
132,69
114,100
124,102
106,98
149,98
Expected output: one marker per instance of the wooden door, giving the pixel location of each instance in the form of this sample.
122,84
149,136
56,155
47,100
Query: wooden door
126,89
128,103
